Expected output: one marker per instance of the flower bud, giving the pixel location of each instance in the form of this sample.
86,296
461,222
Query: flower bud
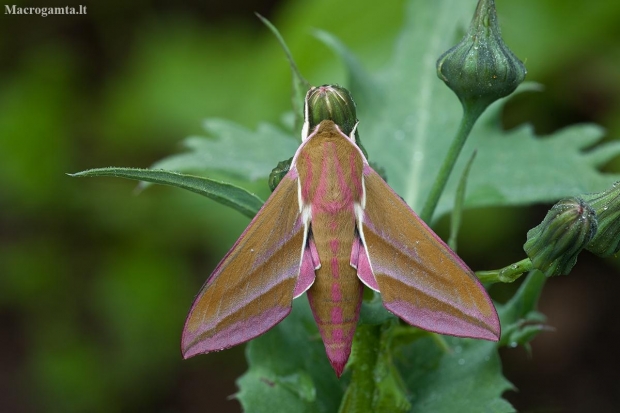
567,229
606,204
330,102
278,173
481,68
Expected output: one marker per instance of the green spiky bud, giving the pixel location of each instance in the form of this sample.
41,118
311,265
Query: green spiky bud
330,102
481,68
327,102
553,246
606,204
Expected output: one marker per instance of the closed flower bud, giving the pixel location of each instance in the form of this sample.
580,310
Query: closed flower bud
553,246
278,173
606,204
481,68
330,102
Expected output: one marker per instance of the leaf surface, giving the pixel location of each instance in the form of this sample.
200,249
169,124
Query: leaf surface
222,192
408,118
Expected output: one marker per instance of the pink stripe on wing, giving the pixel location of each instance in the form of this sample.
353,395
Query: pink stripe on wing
208,338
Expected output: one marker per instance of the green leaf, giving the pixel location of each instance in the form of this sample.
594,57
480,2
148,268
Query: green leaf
410,128
300,84
519,318
224,193
408,118
359,80
291,352
518,168
466,379
234,150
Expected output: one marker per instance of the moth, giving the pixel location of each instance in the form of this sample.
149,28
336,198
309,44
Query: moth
331,227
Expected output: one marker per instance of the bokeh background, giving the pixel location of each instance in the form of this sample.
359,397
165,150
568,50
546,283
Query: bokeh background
96,280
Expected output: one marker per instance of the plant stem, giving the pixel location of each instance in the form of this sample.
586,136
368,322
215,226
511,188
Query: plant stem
360,393
459,200
507,274
471,113
376,384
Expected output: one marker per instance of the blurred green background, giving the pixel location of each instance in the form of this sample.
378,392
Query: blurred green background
95,281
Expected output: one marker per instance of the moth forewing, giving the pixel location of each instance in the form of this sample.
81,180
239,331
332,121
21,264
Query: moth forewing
251,289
